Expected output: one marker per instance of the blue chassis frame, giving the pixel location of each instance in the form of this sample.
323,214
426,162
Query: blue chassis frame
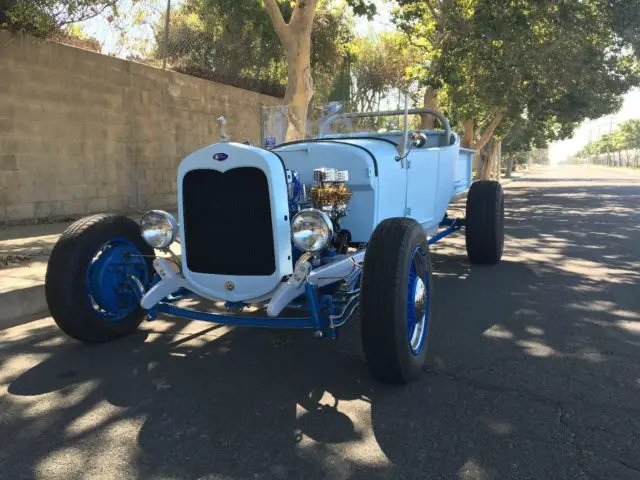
338,307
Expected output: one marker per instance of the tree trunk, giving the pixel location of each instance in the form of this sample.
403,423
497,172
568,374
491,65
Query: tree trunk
498,159
467,141
428,122
485,168
296,40
299,86
476,138
492,159
509,166
467,137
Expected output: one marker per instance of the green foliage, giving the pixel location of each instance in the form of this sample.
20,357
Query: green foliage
378,66
76,31
234,42
626,22
46,17
625,137
333,30
549,64
363,8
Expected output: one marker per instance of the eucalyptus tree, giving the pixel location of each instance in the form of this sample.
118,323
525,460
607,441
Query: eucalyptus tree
294,31
552,63
236,41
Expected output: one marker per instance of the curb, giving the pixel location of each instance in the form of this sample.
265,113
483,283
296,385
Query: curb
17,304
507,181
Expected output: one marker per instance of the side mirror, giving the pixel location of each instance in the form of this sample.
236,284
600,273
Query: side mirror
418,139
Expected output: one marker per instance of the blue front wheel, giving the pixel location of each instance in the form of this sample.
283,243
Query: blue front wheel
395,303
92,276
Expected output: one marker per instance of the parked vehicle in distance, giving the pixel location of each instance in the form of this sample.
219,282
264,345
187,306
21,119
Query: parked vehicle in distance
299,235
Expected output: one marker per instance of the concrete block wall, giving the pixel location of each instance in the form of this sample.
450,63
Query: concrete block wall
82,132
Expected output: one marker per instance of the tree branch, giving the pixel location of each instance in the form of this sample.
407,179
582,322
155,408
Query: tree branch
488,131
62,17
303,13
485,123
92,14
432,9
279,24
294,13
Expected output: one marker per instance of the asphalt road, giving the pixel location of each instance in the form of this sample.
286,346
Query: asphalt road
534,372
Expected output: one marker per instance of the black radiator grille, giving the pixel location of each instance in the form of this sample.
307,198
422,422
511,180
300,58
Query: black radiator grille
227,222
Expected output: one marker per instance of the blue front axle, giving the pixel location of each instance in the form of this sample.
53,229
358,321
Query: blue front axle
326,312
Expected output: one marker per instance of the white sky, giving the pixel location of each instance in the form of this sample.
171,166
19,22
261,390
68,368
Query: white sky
594,129
380,23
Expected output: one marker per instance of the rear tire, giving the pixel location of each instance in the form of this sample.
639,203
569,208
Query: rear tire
484,227
90,305
395,307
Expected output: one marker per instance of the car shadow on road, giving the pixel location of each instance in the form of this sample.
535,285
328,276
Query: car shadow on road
497,400
533,372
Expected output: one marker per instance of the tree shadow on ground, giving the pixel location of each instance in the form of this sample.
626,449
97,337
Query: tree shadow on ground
533,373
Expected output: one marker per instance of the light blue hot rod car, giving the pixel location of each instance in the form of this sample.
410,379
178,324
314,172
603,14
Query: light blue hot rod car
300,235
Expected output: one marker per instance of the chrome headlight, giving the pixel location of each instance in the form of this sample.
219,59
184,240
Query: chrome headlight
158,228
311,230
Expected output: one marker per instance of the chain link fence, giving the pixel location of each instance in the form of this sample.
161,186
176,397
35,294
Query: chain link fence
173,34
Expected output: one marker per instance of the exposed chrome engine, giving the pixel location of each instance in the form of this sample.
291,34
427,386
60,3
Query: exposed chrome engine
330,193
316,210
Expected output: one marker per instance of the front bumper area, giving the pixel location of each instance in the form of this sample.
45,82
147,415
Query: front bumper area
320,312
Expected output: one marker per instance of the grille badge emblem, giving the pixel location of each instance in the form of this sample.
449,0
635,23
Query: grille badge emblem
220,156
229,285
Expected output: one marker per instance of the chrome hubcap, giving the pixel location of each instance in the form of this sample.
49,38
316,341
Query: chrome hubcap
419,314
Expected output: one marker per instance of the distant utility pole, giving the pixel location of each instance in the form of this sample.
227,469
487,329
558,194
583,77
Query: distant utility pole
165,46
609,143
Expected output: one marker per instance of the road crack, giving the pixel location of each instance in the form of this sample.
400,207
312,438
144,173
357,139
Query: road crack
494,388
561,417
628,466
562,421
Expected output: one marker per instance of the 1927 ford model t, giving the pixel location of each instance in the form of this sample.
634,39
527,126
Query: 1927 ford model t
299,235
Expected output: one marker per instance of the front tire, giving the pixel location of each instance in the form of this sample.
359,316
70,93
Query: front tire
395,306
89,286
